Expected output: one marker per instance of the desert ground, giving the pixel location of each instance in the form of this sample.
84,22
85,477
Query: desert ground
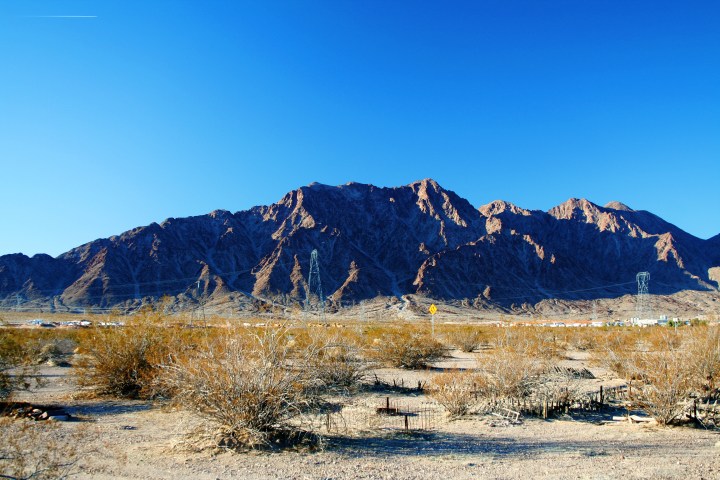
109,437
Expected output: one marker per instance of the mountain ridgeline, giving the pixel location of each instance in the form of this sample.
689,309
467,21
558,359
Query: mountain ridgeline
416,239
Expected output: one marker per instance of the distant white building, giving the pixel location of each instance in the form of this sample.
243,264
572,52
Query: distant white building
643,322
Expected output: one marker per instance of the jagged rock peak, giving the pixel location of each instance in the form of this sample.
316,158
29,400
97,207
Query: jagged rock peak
573,207
500,206
219,213
615,205
425,183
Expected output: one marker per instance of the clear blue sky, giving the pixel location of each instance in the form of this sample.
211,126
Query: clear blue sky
152,109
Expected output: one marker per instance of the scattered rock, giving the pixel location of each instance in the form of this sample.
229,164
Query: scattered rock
59,418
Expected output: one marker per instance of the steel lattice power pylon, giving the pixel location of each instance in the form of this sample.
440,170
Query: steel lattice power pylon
314,295
643,296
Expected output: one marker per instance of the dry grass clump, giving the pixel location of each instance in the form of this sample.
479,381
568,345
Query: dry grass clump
456,391
408,350
253,388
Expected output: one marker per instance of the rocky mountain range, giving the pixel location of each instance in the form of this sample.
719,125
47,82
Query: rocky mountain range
417,239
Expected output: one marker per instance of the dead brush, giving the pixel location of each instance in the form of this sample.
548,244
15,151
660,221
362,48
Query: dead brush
533,342
669,369
704,354
408,350
39,450
507,374
457,391
253,389
467,340
338,367
664,385
16,364
125,361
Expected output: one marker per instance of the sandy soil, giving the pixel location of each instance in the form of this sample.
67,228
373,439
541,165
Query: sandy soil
141,440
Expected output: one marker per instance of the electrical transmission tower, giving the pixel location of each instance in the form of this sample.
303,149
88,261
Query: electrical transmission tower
314,289
643,296
594,312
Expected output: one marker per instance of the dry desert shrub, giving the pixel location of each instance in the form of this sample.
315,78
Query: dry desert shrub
252,388
11,355
670,370
533,342
507,374
704,352
457,391
125,361
408,350
37,450
664,385
18,353
466,340
338,365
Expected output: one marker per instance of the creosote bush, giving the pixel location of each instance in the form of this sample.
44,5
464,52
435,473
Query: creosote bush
467,340
20,350
457,391
125,361
414,350
667,370
509,374
252,388
38,450
337,365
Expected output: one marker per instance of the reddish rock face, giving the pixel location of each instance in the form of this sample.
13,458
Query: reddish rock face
373,241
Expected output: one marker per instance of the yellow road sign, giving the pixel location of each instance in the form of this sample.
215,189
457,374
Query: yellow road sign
432,309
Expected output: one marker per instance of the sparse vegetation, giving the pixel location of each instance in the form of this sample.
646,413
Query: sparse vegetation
456,391
666,370
250,387
414,350
37,450
466,340
125,362
509,374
